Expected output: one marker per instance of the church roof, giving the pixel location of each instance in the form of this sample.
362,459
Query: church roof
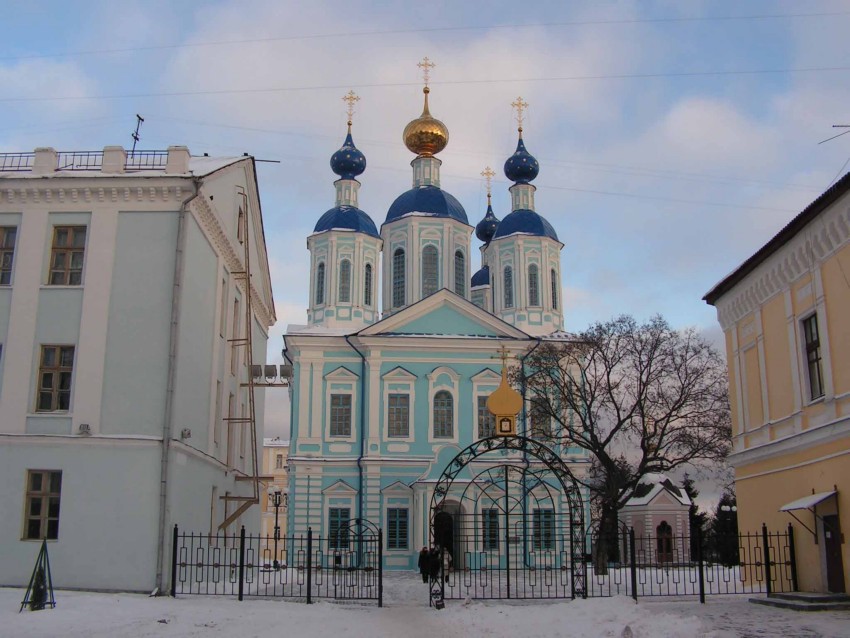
525,222
652,485
428,201
346,218
482,277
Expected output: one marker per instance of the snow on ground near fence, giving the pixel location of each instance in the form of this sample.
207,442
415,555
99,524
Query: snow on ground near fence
81,614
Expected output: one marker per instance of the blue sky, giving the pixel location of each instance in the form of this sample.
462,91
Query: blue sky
658,183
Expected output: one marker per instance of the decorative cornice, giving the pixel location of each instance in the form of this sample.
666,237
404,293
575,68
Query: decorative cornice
821,238
209,222
49,193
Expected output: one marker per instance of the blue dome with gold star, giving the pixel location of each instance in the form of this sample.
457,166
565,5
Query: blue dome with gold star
429,201
521,167
486,228
346,218
525,222
348,162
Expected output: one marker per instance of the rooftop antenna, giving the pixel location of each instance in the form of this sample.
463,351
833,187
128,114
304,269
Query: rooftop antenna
847,126
136,137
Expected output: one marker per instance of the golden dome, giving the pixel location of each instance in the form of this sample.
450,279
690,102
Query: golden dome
426,136
504,401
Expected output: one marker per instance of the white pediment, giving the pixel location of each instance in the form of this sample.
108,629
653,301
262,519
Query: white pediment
341,374
340,488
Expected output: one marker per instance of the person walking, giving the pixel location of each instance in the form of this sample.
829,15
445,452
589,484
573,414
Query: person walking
424,564
447,563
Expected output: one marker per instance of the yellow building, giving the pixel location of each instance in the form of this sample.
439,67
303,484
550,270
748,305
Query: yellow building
785,313
275,454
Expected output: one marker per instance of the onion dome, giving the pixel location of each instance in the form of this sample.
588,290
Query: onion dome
486,228
521,167
525,222
426,201
346,218
482,277
504,401
426,135
348,162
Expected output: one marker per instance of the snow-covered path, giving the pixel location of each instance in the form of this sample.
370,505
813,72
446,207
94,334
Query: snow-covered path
406,615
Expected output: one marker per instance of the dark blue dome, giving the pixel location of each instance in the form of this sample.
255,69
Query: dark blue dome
482,277
521,167
426,200
346,218
486,228
348,162
526,222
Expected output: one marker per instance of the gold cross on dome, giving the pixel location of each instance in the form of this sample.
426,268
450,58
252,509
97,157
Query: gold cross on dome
426,65
520,105
350,98
504,355
488,174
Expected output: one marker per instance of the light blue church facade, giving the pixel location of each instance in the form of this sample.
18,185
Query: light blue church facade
384,399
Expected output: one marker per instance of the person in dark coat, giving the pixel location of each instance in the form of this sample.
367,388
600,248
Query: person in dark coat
424,566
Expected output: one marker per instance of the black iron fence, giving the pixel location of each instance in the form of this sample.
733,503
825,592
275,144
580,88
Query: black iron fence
692,565
346,566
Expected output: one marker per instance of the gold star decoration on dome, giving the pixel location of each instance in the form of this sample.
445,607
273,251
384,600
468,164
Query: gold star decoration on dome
426,65
488,174
350,98
520,106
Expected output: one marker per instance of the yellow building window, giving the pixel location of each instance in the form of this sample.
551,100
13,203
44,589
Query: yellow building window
813,357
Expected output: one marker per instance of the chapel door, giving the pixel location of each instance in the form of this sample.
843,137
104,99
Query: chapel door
664,542
832,548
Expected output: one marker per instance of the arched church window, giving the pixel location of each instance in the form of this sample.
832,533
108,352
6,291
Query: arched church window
443,415
533,286
509,287
429,270
367,286
554,289
320,284
345,281
398,278
664,542
460,274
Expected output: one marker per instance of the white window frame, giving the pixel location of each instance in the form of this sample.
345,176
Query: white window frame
437,382
341,381
398,381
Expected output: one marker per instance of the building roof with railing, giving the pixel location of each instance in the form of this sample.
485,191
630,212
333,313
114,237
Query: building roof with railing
112,161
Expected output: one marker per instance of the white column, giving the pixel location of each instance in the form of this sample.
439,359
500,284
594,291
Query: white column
16,400
91,349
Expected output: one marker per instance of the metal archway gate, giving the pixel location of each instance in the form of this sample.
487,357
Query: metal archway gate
508,521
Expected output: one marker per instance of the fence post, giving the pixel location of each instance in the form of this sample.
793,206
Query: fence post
766,544
792,556
380,567
633,562
241,562
174,562
309,565
700,563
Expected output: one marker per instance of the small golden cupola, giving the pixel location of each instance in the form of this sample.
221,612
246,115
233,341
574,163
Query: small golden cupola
505,403
426,136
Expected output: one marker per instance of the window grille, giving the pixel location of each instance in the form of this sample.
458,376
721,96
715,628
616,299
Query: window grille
345,281
367,286
509,287
490,529
813,356
397,528
544,529
430,272
320,284
399,415
398,278
67,254
443,415
533,286
338,527
340,415
460,274
54,378
486,420
554,276
44,488
7,253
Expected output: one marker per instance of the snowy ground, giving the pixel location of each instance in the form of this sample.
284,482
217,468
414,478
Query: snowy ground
406,615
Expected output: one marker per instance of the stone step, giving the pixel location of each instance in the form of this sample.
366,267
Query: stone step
803,603
812,597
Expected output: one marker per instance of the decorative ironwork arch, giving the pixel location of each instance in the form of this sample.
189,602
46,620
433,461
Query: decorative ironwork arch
541,470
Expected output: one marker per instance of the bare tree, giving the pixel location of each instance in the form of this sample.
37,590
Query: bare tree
640,398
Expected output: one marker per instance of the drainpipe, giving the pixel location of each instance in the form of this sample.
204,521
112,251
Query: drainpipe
362,427
169,391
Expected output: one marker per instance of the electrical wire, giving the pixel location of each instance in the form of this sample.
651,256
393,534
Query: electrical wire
373,85
381,32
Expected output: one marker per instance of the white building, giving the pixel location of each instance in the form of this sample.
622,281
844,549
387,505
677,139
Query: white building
123,315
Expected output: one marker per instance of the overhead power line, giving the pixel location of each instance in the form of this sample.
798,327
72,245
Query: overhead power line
373,85
380,32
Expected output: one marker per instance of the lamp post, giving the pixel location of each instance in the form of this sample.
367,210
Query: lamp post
278,500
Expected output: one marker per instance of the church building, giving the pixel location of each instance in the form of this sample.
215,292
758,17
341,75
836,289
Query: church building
384,398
